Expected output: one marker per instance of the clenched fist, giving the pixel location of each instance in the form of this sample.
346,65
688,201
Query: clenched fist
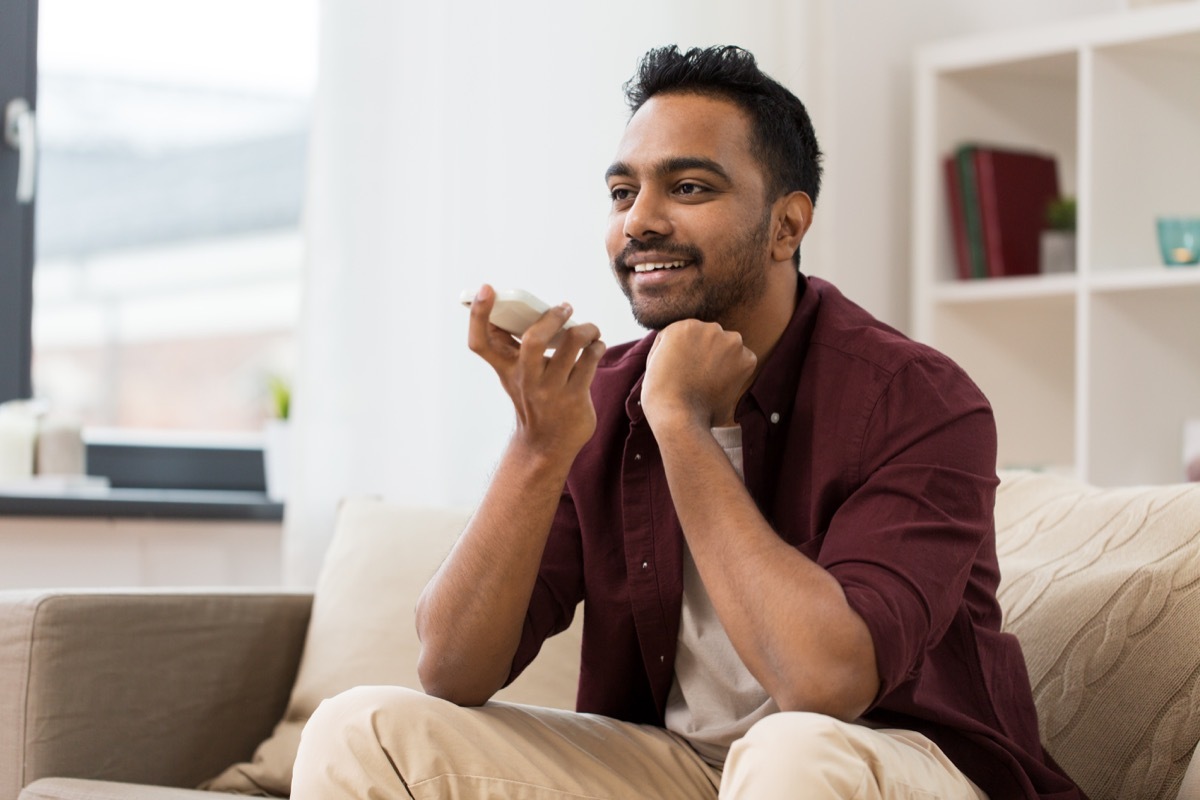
695,374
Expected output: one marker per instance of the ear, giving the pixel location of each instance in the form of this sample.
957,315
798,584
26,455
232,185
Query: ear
791,217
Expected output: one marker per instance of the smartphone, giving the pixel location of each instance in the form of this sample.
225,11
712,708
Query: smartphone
515,310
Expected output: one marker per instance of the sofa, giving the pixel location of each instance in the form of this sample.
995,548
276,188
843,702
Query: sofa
150,695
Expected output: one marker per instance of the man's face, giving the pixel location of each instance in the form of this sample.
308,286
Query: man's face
688,233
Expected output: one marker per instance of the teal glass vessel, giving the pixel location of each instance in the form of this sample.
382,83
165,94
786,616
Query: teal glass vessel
1179,240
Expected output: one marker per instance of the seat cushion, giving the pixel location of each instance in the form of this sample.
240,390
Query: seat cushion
362,630
77,789
1102,587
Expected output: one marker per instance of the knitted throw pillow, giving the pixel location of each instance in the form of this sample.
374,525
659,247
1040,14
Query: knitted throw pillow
1102,587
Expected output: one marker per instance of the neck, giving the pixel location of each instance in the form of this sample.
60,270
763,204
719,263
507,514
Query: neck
762,325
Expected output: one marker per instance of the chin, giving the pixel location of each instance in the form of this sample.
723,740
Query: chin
655,317
655,310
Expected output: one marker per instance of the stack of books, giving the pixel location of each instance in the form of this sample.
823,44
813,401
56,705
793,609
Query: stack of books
998,199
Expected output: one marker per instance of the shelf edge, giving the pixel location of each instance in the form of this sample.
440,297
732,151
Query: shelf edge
1015,288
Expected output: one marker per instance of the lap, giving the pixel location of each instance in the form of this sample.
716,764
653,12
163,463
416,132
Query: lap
391,742
435,749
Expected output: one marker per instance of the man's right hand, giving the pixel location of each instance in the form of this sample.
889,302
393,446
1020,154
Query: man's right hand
551,394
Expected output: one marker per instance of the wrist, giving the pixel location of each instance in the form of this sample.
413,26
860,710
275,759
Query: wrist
677,416
540,457
680,424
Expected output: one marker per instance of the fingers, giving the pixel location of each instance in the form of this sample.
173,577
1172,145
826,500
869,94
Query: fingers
486,340
573,343
536,340
701,337
585,368
528,357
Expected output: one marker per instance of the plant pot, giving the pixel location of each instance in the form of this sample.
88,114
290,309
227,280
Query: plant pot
1057,252
276,461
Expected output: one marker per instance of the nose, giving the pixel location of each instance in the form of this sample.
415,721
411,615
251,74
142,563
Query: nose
648,217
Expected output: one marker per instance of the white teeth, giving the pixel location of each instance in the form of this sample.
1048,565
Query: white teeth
653,267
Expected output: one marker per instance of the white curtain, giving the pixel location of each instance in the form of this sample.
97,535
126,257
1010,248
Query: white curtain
458,142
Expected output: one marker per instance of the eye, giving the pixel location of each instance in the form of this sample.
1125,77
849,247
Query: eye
620,194
688,188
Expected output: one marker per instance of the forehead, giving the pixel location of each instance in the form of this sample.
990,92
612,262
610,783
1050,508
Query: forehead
673,126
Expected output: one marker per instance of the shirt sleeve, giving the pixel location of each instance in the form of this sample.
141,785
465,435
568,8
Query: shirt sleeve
558,589
905,542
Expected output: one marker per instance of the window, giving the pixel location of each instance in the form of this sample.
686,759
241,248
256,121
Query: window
167,249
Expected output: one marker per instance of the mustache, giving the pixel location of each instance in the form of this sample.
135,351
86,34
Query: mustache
676,251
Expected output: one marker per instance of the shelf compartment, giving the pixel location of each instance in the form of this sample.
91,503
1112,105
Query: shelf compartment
1145,381
1145,126
1020,351
1027,104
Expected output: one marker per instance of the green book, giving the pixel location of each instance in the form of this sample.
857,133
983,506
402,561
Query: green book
965,156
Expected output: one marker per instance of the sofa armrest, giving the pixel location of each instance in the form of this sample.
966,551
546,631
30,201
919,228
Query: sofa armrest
166,688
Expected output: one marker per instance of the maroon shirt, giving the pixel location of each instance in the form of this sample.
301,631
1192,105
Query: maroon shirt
872,455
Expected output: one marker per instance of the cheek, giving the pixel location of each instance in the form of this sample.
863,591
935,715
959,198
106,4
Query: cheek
614,235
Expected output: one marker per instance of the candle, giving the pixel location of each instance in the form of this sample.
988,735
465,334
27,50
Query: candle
60,448
18,435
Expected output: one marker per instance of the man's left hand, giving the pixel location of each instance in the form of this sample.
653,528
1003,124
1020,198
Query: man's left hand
695,374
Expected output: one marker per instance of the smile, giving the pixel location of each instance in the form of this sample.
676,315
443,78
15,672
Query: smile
655,266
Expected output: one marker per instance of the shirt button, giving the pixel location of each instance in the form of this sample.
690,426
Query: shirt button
662,659
645,564
637,456
775,416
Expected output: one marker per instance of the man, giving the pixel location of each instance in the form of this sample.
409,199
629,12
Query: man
775,510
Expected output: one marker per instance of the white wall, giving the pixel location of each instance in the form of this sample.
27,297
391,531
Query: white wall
45,552
446,155
869,138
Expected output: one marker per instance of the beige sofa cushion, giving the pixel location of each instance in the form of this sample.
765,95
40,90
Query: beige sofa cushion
362,630
1103,589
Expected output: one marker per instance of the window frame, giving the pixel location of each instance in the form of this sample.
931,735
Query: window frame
18,78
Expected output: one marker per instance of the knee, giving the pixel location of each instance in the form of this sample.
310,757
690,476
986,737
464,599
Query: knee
797,749
355,717
348,709
798,731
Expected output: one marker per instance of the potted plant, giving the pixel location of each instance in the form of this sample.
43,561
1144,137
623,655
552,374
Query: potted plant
1058,238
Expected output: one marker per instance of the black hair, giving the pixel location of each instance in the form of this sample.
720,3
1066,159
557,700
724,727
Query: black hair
784,141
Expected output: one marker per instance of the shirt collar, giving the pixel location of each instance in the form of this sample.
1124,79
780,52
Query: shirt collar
774,390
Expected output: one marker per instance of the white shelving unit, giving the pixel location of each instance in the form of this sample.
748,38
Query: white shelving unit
1092,372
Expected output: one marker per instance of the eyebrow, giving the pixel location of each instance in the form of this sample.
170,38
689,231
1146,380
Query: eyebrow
670,165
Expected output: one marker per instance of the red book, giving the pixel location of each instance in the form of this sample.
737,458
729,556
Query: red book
1016,188
958,221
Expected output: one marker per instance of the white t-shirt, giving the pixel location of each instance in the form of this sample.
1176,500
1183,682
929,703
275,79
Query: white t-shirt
714,699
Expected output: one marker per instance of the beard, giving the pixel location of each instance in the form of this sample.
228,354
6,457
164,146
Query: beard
736,281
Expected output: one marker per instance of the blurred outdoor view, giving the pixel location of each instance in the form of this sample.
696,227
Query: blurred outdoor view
168,251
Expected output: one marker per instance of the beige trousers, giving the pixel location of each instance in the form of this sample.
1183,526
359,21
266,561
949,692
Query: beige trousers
390,743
